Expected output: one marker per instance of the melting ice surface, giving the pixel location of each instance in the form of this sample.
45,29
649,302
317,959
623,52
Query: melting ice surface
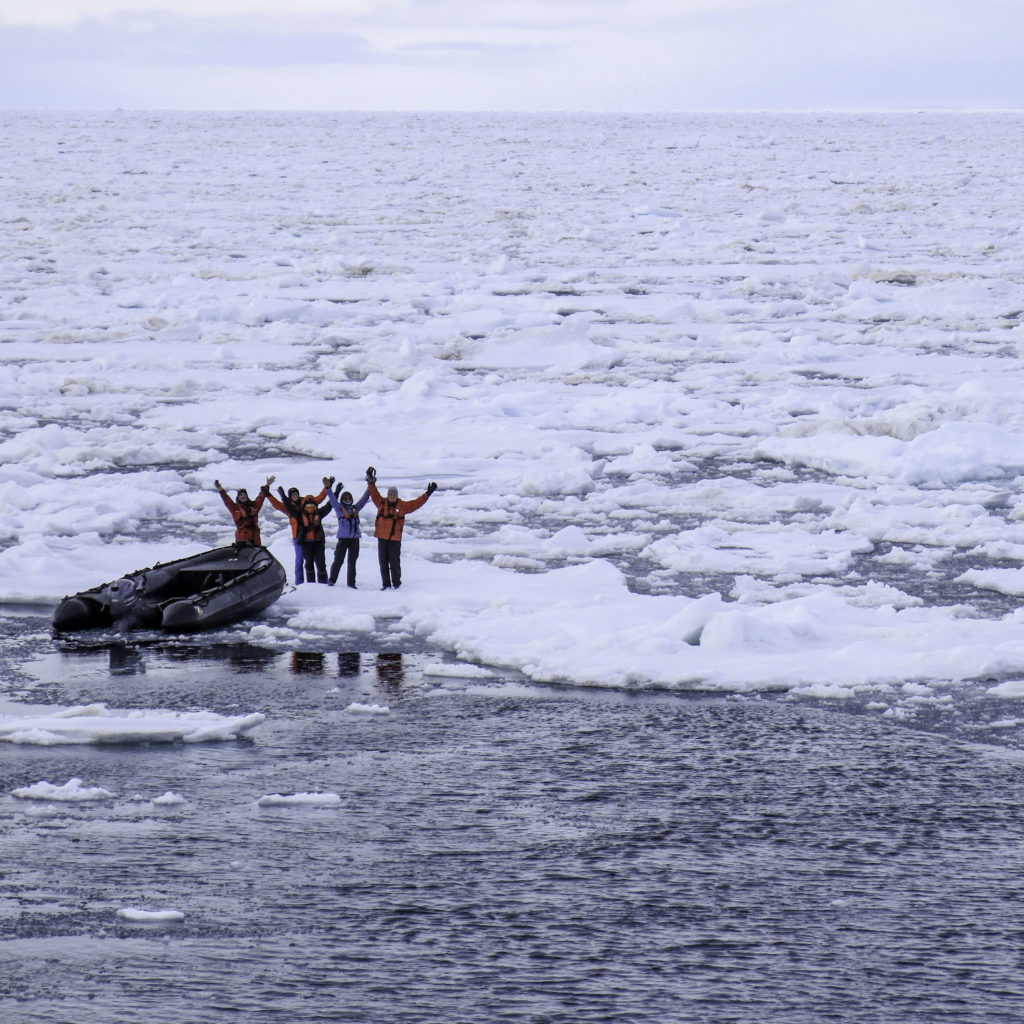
717,404
714,402
98,724
710,399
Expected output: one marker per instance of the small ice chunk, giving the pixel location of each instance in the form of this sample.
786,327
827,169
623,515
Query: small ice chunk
368,709
150,916
299,799
71,792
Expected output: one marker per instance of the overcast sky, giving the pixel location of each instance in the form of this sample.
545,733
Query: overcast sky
512,54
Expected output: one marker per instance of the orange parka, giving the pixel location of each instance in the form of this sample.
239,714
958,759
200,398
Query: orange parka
391,518
247,524
282,507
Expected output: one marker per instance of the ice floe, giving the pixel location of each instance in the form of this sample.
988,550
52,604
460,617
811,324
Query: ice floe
751,428
97,724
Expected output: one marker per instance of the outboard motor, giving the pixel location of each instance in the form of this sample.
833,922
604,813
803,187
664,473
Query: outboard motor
122,598
130,606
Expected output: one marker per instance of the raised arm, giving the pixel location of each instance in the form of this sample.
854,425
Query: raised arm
264,493
285,505
411,506
225,497
327,481
371,490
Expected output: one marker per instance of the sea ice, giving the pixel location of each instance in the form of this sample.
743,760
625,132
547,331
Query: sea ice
692,428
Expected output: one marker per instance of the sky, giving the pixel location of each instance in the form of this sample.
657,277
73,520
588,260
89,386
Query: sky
615,55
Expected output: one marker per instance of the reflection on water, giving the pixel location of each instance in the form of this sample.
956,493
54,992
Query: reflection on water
155,672
518,858
671,857
390,671
349,664
127,658
126,661
308,663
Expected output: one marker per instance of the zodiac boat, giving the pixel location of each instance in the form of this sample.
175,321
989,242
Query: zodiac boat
204,591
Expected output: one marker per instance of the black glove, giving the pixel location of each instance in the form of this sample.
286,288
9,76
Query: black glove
371,475
431,487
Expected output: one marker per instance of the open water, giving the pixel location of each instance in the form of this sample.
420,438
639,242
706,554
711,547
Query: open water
502,853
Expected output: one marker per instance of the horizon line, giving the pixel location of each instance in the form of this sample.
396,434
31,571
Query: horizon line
492,111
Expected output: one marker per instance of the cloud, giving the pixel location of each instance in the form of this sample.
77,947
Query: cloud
163,39
161,60
515,54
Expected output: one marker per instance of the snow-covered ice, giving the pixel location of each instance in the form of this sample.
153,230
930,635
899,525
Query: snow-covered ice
360,708
71,792
96,723
299,800
150,916
169,799
702,416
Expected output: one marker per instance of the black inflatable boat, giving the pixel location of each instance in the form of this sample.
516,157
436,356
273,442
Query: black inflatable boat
202,591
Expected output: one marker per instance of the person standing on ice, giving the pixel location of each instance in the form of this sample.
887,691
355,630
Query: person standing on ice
311,535
291,505
348,532
391,513
245,512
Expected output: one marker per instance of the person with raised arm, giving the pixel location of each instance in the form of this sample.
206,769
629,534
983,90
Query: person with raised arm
290,504
245,512
391,513
313,538
349,533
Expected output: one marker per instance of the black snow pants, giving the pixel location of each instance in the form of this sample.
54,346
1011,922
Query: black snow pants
315,559
349,546
389,555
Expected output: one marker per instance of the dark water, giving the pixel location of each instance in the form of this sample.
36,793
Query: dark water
500,854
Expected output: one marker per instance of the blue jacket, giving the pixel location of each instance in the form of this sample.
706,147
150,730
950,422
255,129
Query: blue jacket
348,515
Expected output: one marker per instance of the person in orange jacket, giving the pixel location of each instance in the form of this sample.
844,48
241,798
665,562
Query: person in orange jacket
245,512
313,538
291,505
391,513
